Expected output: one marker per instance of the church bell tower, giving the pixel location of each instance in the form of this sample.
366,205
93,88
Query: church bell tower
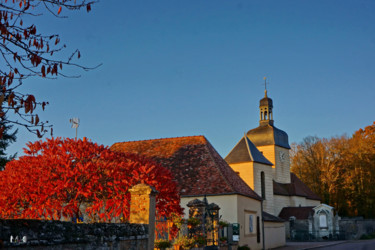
271,141
265,109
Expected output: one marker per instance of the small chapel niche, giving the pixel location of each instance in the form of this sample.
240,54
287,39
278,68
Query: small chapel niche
323,220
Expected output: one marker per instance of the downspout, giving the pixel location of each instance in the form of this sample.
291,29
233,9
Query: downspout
261,208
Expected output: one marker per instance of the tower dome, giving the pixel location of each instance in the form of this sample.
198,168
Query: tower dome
266,101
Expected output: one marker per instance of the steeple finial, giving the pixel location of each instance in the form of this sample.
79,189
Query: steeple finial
265,86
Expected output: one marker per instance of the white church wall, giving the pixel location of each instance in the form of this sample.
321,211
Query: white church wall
296,201
268,202
245,171
282,162
312,203
280,201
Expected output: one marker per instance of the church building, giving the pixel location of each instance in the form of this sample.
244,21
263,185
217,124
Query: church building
261,159
253,185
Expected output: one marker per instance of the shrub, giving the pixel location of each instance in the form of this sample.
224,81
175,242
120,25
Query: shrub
223,223
184,241
245,247
162,244
368,236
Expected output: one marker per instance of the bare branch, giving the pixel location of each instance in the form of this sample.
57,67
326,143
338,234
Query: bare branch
27,53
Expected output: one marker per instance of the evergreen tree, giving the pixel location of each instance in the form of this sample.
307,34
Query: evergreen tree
7,138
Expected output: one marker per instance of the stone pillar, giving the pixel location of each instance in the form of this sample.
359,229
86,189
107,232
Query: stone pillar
337,224
310,219
208,215
142,209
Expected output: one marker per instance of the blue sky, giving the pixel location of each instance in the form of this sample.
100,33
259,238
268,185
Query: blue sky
181,68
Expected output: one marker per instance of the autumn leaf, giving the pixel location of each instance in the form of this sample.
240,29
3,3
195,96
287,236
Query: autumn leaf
63,173
43,70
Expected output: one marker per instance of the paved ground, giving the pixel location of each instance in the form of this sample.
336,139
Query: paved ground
351,245
308,245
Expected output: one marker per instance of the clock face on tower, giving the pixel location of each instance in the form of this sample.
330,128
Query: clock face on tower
282,156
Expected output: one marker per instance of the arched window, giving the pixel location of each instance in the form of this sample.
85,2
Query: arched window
263,185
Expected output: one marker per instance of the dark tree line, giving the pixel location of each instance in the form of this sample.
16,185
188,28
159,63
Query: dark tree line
340,169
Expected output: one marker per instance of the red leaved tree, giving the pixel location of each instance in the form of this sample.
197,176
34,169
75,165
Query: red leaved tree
26,52
69,177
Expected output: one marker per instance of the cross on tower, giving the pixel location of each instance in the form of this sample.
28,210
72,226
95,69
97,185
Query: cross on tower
265,83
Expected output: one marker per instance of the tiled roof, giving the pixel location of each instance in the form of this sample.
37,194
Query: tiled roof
295,188
245,151
271,218
195,164
301,213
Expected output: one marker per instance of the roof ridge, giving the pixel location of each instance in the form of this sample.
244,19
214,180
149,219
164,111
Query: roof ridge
260,156
212,158
232,149
302,206
210,147
164,138
248,147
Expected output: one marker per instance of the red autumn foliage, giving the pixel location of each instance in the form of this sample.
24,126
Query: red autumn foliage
68,177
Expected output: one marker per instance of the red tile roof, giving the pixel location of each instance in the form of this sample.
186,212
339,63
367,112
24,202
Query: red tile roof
295,188
301,213
271,218
195,164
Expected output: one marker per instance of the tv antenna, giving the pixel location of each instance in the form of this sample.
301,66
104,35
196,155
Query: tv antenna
75,123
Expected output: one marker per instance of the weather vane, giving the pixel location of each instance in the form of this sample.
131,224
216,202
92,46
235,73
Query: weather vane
75,124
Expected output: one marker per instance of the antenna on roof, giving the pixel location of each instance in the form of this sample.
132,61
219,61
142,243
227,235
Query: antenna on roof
75,123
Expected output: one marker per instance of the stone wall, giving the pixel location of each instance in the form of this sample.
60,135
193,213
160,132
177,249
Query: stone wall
349,229
139,235
60,235
354,228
